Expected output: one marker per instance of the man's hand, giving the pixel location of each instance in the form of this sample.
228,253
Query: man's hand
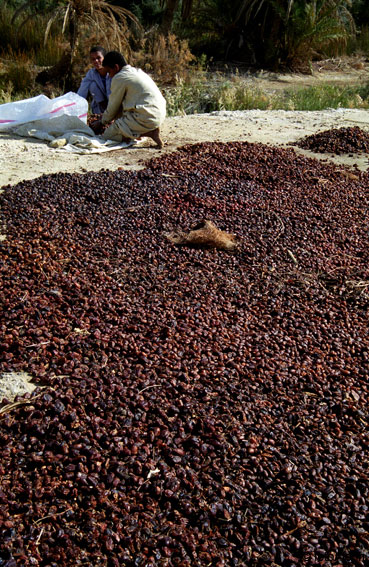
97,126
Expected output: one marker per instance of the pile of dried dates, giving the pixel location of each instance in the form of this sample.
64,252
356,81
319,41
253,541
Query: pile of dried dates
337,141
196,407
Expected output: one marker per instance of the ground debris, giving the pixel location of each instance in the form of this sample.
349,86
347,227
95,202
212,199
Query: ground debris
206,235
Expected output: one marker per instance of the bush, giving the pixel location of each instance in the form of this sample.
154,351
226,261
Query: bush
28,39
208,94
324,96
168,59
18,75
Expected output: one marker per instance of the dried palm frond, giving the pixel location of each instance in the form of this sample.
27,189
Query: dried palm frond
206,235
77,15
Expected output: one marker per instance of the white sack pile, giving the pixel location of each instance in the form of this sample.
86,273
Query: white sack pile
61,121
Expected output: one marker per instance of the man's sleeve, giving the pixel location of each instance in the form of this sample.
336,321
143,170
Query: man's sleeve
85,86
116,97
108,85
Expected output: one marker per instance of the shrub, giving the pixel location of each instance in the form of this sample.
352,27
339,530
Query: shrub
322,97
19,73
168,59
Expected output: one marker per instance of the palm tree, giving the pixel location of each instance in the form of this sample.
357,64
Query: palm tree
77,18
271,33
293,30
170,7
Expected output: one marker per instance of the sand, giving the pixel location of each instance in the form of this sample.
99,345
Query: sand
28,158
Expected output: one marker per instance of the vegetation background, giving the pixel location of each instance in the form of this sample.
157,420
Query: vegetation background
197,50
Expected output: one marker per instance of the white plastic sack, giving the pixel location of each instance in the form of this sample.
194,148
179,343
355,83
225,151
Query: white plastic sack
52,127
40,107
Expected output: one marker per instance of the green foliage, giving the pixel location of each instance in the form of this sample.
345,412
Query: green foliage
77,18
362,41
360,12
297,29
6,93
323,97
203,95
148,12
213,28
271,33
37,5
187,99
81,22
363,92
288,33
238,97
49,53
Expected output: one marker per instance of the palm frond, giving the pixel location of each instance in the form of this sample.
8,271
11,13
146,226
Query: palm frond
66,18
248,9
54,16
21,9
289,8
118,11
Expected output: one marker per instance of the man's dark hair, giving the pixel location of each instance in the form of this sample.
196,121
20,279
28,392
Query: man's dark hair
114,58
96,48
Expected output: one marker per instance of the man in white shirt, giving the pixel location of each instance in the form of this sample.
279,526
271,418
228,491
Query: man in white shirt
136,105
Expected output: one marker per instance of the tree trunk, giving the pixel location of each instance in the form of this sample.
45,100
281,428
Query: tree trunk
168,16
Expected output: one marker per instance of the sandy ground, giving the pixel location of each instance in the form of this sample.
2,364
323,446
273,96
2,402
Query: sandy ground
28,158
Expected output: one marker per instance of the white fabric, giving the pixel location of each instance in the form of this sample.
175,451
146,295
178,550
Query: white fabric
61,121
68,133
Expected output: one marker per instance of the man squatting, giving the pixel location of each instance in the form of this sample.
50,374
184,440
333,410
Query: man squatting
136,105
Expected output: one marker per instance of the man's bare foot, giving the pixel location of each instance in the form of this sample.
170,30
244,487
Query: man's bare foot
155,135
